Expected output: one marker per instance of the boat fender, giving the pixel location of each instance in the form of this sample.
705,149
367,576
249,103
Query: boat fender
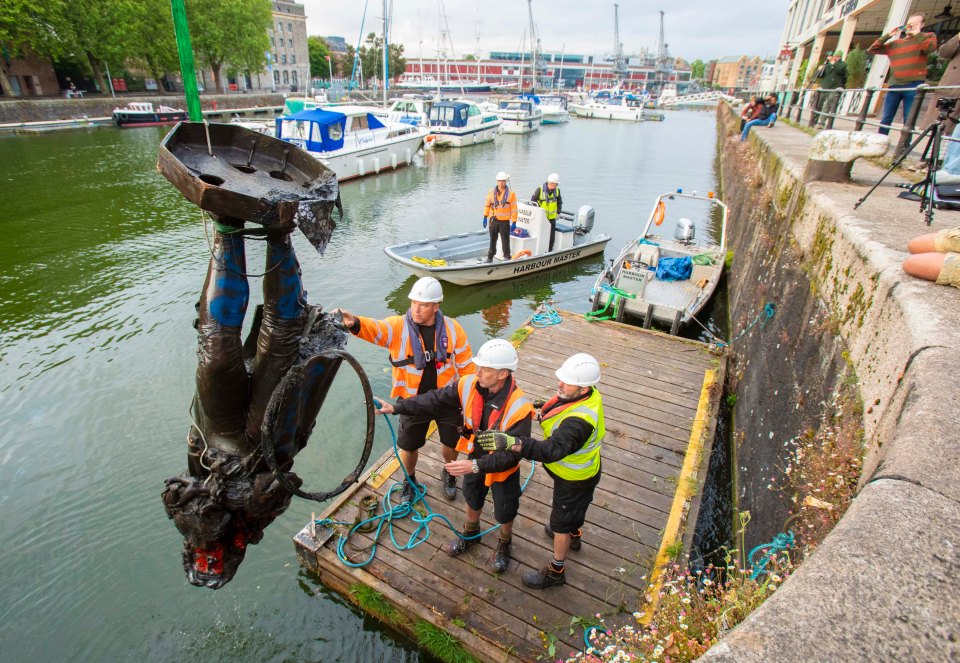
521,254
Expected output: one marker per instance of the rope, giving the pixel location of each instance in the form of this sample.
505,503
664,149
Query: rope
384,521
546,317
430,262
614,301
224,229
780,543
769,309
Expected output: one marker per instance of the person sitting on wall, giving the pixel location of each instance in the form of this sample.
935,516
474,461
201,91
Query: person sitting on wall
750,111
767,116
935,257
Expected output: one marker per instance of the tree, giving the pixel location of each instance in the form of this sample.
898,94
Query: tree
698,69
856,68
371,55
319,52
230,33
155,49
100,32
37,26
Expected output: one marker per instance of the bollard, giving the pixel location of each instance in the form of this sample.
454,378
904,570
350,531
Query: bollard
814,113
862,118
906,134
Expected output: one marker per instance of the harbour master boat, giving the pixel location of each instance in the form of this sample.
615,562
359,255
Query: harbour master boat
664,279
461,122
461,259
351,140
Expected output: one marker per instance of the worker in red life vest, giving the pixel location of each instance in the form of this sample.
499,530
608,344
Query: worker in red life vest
489,400
499,214
548,197
573,430
427,351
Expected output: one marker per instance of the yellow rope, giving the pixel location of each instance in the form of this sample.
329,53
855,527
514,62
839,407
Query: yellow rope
430,262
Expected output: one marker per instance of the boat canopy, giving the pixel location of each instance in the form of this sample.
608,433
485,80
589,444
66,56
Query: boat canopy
530,97
517,104
451,113
318,130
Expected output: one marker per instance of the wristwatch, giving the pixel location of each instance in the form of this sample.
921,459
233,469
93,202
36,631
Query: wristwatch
475,468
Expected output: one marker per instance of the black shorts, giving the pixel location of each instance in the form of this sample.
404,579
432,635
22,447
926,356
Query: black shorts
570,502
506,495
413,432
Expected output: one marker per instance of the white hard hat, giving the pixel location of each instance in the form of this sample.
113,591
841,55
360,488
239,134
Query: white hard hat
502,176
581,370
553,178
496,353
427,290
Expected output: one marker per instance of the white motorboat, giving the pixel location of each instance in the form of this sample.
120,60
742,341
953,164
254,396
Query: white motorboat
617,107
461,259
410,109
643,279
460,122
264,127
143,114
520,116
351,140
554,109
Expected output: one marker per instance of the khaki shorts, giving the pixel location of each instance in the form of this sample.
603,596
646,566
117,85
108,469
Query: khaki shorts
947,241
950,272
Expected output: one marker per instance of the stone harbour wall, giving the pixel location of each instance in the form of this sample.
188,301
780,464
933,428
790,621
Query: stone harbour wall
885,583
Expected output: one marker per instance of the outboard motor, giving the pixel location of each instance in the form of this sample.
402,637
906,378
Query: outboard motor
583,220
685,231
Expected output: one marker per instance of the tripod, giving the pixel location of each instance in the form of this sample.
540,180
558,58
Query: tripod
931,156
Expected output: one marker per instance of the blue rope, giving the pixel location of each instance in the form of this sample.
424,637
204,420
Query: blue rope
586,638
393,511
549,316
780,543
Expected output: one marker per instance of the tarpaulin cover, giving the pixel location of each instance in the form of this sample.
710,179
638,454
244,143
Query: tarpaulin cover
674,269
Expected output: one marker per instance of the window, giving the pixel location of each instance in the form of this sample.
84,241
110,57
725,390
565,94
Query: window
463,115
286,77
279,26
335,131
273,42
293,77
290,42
293,58
283,58
276,76
289,27
282,42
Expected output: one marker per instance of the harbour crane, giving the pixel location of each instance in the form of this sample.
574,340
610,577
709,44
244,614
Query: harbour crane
619,61
664,65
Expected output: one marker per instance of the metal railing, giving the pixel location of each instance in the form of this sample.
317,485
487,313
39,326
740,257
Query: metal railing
853,104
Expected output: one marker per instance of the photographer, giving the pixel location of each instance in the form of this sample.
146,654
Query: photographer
831,76
951,76
907,47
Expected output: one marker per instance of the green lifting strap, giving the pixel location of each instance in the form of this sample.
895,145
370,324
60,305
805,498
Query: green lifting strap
185,51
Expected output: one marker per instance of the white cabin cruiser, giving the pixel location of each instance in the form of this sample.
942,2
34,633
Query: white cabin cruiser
520,116
617,107
554,109
666,279
460,123
351,140
410,109
461,259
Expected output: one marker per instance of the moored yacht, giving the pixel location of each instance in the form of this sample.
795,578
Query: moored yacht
520,116
460,122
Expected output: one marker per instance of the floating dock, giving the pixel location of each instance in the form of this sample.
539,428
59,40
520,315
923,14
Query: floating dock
660,395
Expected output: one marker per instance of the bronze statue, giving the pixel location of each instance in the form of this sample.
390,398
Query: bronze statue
256,402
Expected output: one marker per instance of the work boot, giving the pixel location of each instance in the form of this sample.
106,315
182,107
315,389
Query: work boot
449,484
575,541
409,492
545,577
489,259
501,560
460,545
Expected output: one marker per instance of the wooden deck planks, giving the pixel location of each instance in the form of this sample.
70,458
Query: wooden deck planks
651,388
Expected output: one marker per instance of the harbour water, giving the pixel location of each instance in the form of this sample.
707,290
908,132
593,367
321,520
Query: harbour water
102,264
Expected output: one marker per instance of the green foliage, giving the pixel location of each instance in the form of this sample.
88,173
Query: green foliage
373,602
674,550
231,33
731,399
698,69
441,644
319,67
728,260
371,57
34,25
935,67
155,49
856,68
802,73
520,335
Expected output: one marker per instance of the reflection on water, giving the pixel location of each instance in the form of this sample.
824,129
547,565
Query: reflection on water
102,265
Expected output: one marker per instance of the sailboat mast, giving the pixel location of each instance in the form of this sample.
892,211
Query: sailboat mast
386,70
534,43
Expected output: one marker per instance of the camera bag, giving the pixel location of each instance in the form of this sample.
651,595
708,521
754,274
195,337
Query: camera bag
946,196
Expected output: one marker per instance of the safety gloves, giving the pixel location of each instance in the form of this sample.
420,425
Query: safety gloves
484,222
495,441
539,403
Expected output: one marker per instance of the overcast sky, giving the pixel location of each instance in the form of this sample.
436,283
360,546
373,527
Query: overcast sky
705,29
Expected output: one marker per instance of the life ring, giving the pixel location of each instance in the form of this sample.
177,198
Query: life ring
659,213
521,254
